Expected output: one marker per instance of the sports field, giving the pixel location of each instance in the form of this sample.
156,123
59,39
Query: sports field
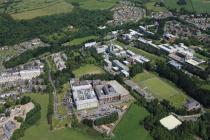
88,69
28,9
129,127
161,88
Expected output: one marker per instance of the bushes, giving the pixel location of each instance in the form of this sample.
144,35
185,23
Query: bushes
107,119
25,100
135,69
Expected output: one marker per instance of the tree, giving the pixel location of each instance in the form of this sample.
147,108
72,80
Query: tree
135,69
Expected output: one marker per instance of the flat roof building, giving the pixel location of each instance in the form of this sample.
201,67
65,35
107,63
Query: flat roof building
192,104
120,65
106,93
83,95
170,122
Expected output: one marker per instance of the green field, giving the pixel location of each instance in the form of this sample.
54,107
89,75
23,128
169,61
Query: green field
161,88
79,41
95,4
28,9
200,6
129,127
88,69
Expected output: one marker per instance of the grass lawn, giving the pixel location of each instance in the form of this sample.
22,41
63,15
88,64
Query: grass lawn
88,69
161,88
129,127
79,41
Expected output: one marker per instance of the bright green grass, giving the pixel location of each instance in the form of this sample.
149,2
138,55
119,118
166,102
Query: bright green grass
151,6
95,4
88,69
40,131
161,88
129,127
79,41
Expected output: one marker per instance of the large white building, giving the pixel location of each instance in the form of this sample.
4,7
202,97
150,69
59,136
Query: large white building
83,95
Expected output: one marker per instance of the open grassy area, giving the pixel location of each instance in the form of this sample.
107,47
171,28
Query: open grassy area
129,127
28,9
88,69
200,6
95,4
161,88
151,6
79,41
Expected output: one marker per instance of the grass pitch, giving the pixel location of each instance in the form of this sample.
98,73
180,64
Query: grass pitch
129,127
88,69
161,88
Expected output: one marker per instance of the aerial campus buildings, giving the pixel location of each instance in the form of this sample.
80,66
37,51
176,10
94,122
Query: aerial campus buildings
90,94
83,95
19,75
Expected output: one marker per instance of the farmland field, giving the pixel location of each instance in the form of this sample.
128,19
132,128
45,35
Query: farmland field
88,69
129,127
28,9
95,4
199,5
161,88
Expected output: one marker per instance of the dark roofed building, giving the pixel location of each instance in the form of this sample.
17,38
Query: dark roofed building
106,93
192,104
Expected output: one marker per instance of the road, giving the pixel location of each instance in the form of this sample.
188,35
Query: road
55,102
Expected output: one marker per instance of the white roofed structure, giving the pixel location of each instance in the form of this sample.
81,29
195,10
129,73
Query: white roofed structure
170,122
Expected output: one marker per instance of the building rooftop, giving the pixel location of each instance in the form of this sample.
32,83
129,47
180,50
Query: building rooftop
170,122
118,88
83,92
